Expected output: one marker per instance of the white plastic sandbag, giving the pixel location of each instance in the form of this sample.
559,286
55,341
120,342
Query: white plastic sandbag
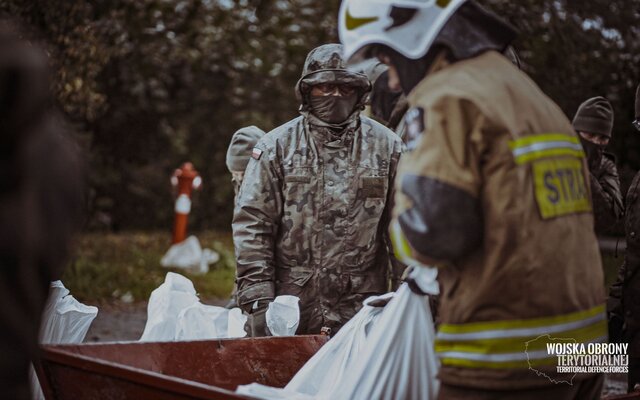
64,320
236,322
200,321
174,313
320,375
283,315
165,304
264,392
332,362
190,256
399,361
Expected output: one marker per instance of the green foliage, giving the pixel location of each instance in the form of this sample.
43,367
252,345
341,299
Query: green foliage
116,266
152,83
580,49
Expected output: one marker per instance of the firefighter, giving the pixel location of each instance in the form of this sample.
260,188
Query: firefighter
594,122
494,191
238,154
312,214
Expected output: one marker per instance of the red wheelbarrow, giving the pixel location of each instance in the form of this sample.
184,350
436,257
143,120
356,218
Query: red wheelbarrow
210,369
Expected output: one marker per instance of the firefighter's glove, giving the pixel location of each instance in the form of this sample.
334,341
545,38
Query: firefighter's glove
256,325
415,288
379,301
422,281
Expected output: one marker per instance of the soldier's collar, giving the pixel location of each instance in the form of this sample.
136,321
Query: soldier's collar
326,133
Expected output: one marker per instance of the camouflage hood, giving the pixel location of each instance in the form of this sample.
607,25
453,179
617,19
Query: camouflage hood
325,64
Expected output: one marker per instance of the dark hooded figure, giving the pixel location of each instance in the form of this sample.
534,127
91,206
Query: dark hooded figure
40,204
623,304
594,124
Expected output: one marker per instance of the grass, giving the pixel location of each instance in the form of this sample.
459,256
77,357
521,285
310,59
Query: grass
121,266
126,266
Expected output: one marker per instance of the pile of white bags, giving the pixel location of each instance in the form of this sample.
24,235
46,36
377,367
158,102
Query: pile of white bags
190,256
382,353
65,320
175,313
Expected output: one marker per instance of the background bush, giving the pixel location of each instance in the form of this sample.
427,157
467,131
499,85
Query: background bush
149,84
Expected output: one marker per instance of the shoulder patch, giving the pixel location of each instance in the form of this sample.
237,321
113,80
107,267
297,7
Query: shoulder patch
256,153
414,122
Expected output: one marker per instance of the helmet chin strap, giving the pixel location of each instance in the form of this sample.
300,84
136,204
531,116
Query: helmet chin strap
411,72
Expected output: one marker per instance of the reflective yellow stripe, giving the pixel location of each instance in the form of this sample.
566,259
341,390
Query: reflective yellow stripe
523,364
548,137
401,246
512,345
522,323
537,147
533,156
517,343
527,357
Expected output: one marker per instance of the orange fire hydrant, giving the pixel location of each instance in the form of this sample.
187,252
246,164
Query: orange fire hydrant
185,179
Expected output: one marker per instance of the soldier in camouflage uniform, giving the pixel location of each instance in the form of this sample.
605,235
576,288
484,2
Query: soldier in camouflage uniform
311,216
239,153
593,122
238,156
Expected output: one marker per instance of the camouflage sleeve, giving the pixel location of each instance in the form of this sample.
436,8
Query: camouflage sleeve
255,225
607,199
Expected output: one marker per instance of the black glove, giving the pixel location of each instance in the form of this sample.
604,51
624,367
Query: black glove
415,288
256,325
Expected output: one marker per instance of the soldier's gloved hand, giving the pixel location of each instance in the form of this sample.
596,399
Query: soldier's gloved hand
256,325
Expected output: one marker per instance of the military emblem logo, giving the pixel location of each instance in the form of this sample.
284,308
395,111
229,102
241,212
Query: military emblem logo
256,153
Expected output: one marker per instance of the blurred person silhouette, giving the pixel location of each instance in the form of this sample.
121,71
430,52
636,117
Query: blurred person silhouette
41,201
623,305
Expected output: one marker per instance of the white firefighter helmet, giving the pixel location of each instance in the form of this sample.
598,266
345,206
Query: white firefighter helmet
407,26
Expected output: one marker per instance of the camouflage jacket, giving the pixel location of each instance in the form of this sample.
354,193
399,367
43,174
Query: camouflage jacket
311,218
608,208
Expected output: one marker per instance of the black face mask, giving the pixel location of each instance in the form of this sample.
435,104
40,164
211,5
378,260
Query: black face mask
594,153
333,109
383,100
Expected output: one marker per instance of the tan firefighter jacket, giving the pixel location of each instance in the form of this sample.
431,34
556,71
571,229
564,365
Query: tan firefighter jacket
495,192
